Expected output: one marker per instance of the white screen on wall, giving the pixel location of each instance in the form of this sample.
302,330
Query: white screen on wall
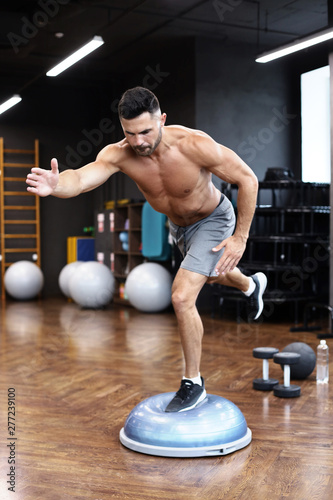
315,116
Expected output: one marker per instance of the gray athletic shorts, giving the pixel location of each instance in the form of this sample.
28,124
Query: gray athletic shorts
197,240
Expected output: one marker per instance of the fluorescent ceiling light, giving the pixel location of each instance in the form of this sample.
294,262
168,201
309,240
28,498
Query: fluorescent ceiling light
11,102
304,43
96,42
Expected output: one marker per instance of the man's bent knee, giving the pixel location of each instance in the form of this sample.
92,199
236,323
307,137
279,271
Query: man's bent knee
179,298
182,300
185,289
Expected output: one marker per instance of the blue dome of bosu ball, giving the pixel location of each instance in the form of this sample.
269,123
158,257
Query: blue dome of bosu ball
215,427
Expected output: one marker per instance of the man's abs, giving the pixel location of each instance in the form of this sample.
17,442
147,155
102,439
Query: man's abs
186,210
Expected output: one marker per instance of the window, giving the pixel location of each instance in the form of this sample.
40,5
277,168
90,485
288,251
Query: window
315,116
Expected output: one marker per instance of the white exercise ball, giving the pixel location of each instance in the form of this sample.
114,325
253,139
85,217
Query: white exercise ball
65,275
148,287
23,280
92,285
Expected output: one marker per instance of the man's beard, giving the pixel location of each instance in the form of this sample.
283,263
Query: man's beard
148,150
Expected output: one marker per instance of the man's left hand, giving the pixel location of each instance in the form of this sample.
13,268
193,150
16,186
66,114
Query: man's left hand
234,247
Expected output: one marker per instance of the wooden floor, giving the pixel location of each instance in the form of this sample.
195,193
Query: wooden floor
78,373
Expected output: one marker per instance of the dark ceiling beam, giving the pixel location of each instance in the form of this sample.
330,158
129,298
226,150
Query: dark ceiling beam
159,27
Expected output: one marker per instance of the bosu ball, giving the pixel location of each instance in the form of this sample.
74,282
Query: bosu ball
215,427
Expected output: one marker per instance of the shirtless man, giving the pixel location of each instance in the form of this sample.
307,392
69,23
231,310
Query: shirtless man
172,166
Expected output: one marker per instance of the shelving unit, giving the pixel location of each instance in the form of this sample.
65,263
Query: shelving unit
289,242
123,218
127,219
19,209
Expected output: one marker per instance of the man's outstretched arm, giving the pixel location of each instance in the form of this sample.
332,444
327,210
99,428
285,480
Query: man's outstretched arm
69,183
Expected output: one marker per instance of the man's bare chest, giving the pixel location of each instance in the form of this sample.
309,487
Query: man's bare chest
174,176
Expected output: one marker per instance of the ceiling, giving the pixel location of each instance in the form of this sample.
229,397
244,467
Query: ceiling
29,45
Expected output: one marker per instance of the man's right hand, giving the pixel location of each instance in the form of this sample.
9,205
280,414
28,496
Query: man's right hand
43,182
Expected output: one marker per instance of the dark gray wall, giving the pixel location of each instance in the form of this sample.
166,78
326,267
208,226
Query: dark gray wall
171,76
246,106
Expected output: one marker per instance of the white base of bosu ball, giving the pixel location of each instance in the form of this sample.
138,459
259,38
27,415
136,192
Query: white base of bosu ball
215,427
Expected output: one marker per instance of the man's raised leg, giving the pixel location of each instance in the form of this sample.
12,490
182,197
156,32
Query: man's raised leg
252,286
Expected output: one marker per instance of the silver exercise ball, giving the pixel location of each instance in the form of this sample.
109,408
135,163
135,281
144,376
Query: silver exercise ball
23,280
148,287
65,275
92,285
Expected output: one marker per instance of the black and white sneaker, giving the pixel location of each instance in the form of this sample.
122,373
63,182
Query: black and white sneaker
255,303
187,397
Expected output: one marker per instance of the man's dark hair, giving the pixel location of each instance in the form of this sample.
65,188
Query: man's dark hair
136,101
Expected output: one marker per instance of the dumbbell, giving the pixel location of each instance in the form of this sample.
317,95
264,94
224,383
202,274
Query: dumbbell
286,390
265,383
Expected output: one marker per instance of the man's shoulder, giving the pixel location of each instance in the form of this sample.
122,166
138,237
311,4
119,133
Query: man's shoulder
115,152
189,141
180,131
185,136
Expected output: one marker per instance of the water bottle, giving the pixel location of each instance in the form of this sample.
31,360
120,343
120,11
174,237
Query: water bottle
322,363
